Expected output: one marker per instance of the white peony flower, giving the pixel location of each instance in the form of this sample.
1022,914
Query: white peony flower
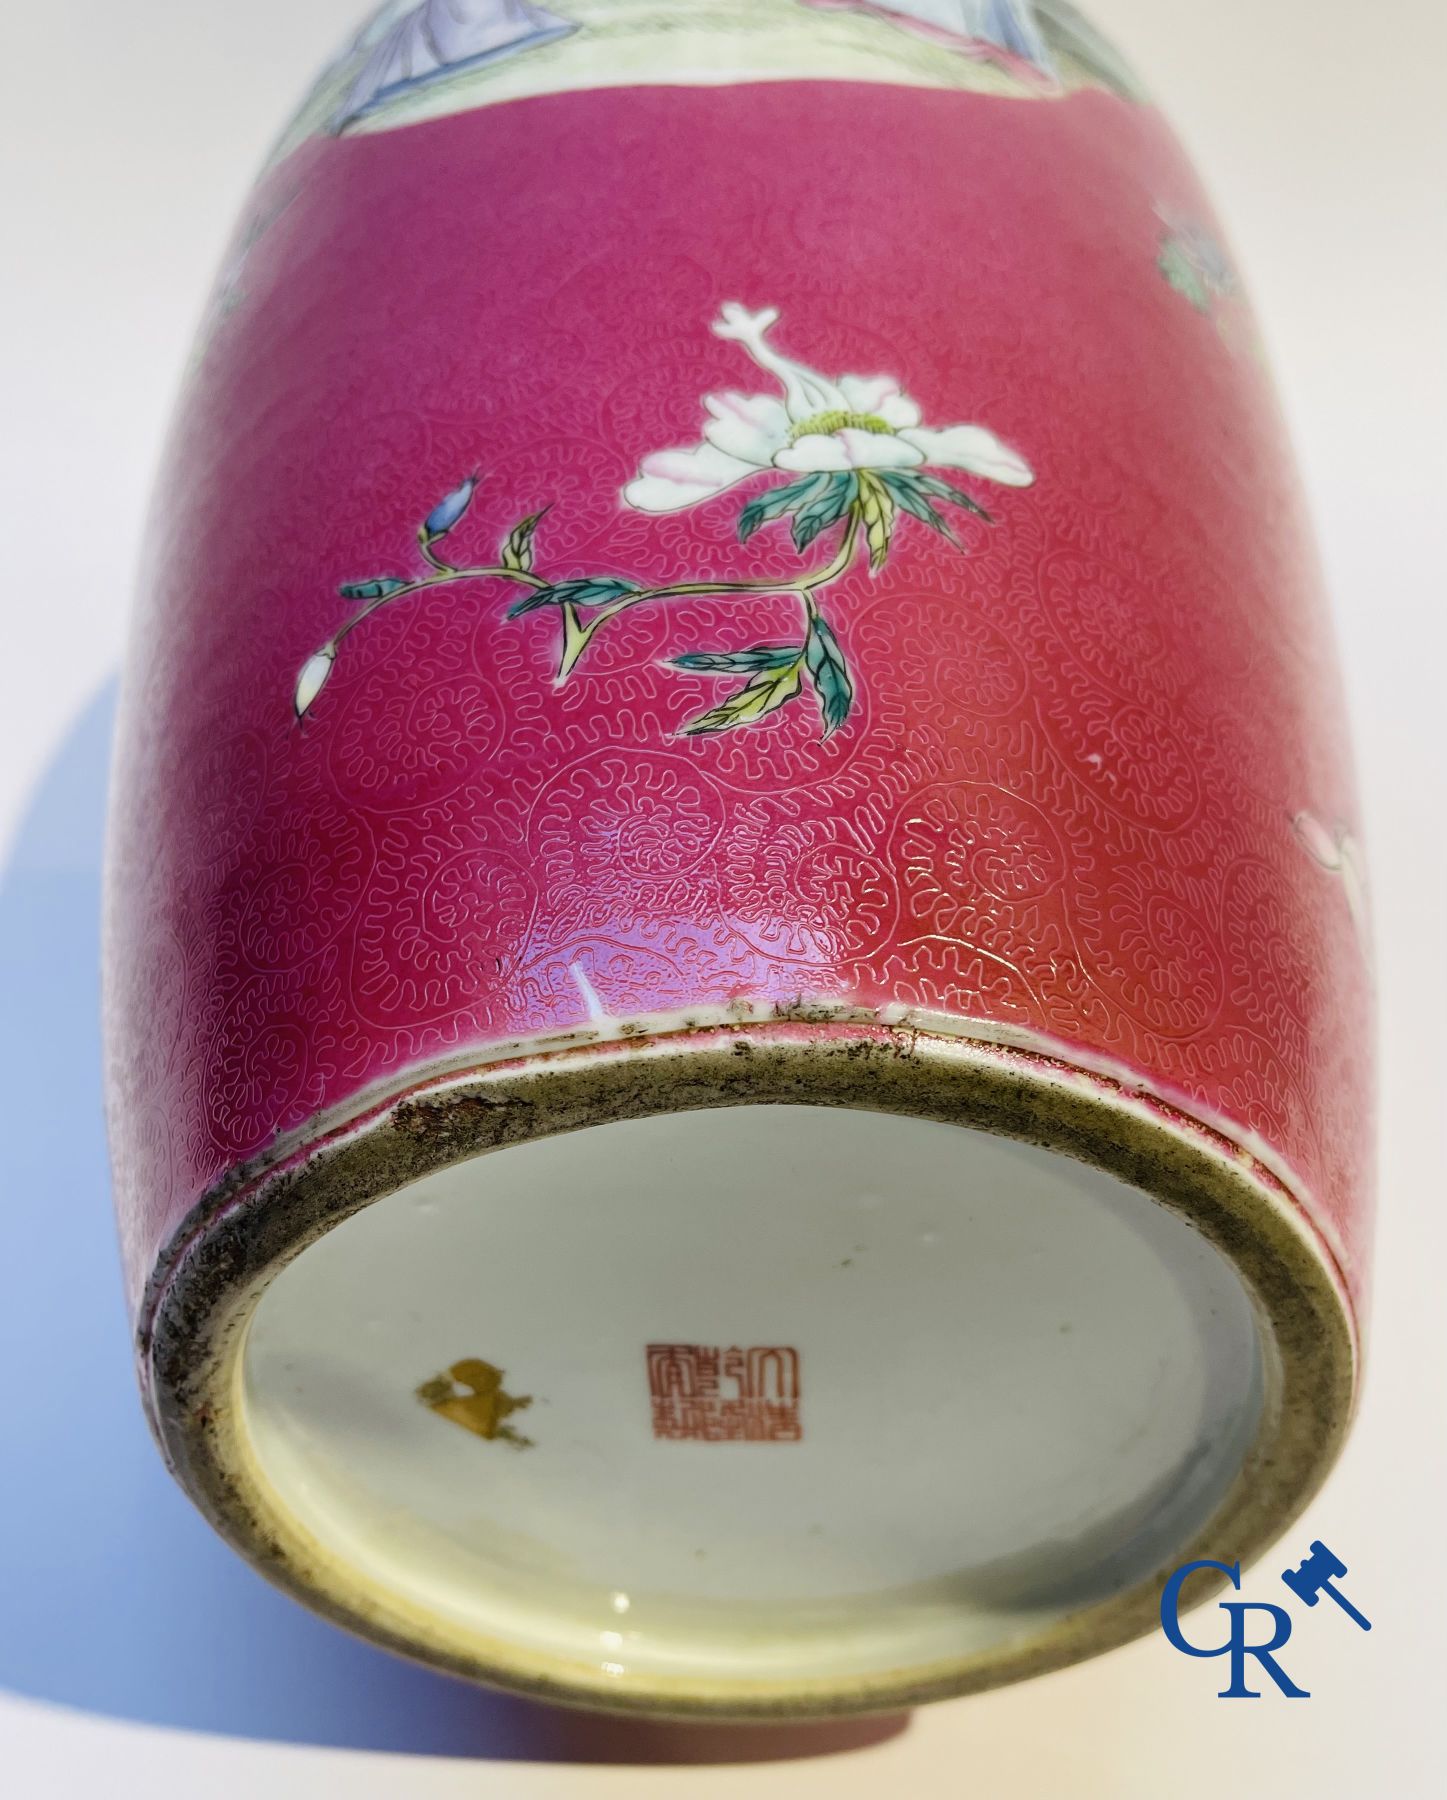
856,422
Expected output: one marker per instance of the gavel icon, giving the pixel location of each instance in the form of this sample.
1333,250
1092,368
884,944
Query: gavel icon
1315,1577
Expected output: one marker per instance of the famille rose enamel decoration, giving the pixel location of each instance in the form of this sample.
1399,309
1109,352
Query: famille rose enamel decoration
738,968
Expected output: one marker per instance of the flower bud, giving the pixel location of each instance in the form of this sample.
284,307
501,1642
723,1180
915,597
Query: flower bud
448,511
310,681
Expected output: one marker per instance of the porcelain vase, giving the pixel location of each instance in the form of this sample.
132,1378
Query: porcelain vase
737,982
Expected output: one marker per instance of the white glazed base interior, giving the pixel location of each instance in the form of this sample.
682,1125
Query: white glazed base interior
1021,1386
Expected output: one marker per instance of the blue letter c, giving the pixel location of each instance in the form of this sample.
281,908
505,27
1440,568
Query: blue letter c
1171,1605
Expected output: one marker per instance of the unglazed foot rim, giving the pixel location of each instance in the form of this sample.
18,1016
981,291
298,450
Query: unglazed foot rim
210,1280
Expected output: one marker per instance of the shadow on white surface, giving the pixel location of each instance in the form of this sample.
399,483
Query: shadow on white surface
115,1596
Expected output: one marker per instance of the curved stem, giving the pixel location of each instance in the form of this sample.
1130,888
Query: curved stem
430,555
444,573
440,579
799,585
577,634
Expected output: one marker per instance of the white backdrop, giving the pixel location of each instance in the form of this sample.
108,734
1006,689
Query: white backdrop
130,132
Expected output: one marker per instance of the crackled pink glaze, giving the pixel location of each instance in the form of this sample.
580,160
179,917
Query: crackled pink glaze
1065,799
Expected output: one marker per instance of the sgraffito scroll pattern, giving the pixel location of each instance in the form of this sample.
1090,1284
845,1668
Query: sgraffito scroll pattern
1063,797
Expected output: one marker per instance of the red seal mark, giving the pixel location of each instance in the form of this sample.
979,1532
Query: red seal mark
714,1396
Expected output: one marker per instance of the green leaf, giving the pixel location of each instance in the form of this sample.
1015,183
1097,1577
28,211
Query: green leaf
768,690
944,490
876,514
825,508
576,638
738,662
376,589
585,590
829,673
903,484
775,502
517,549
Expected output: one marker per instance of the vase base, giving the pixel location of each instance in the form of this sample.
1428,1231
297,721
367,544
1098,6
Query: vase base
760,1408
